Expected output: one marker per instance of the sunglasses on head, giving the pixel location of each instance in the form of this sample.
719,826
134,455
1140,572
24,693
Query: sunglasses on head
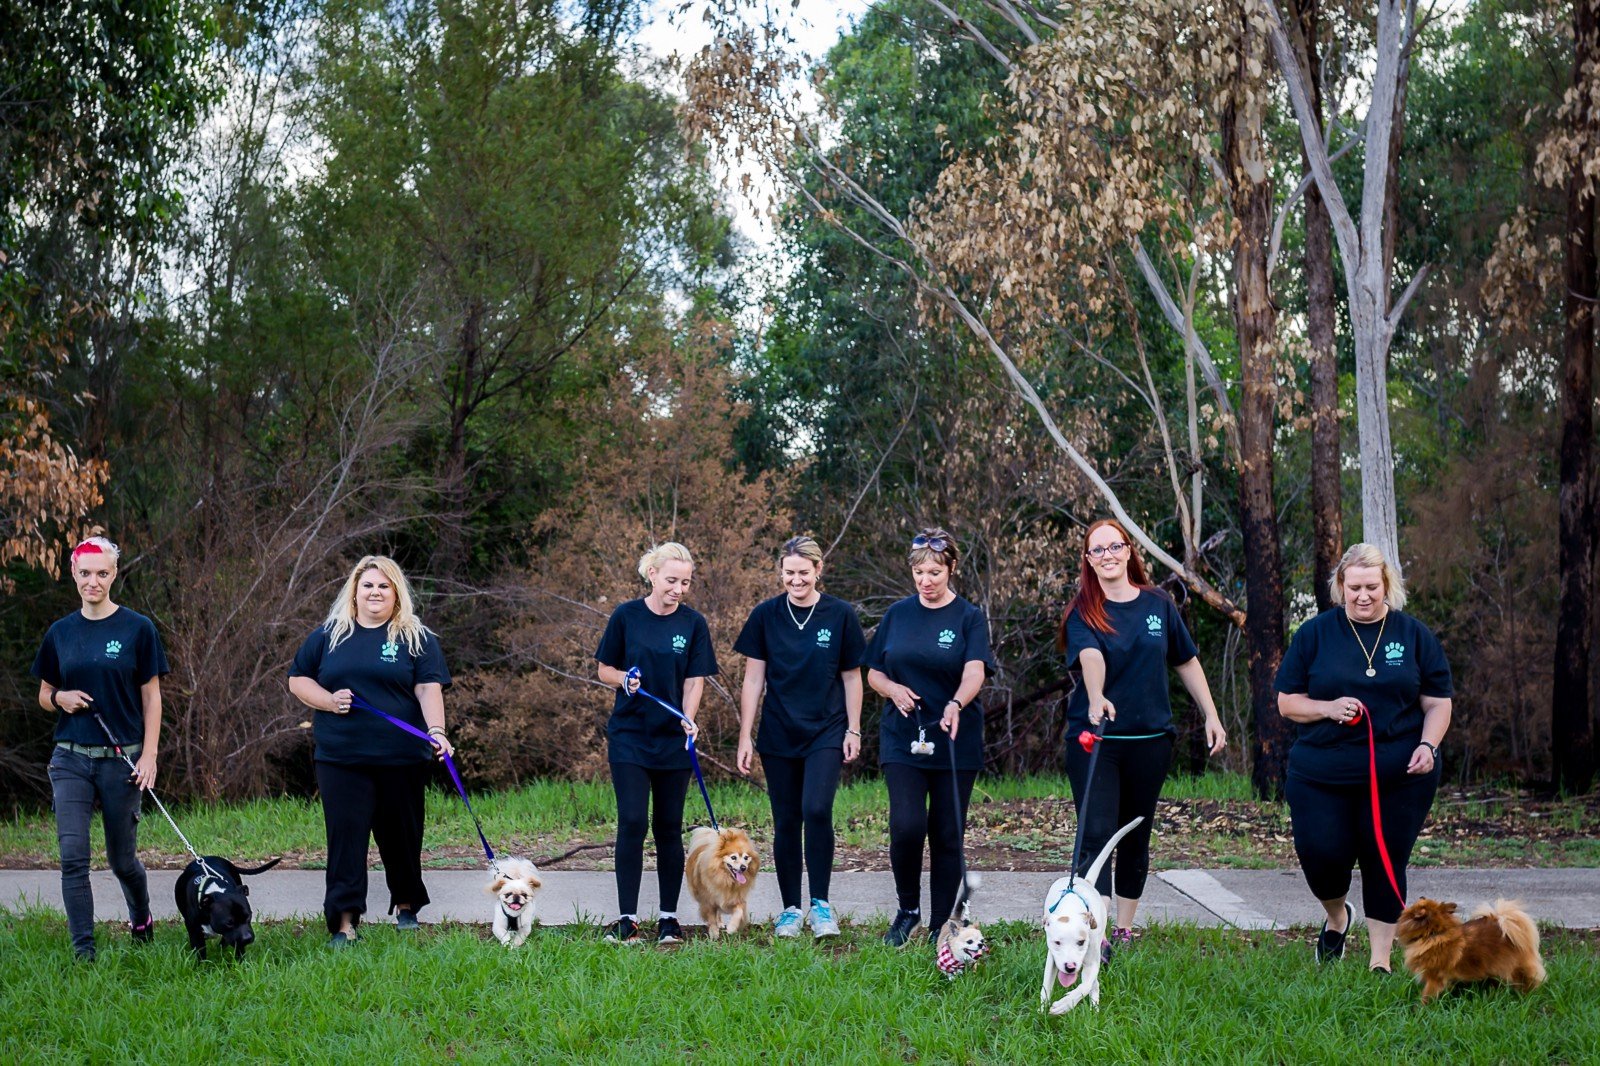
938,544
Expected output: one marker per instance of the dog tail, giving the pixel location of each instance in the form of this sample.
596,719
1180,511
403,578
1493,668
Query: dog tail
1105,853
1517,927
263,868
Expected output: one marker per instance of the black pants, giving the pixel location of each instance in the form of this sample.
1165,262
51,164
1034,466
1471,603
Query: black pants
801,792
1333,833
635,786
384,803
922,808
1127,783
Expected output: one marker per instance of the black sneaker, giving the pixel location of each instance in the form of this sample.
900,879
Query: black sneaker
905,923
623,931
145,932
668,931
1330,945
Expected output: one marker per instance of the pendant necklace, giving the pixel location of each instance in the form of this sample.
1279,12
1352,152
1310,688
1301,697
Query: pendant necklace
1375,644
797,623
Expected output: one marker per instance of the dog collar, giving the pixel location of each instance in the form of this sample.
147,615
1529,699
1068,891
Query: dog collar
1071,890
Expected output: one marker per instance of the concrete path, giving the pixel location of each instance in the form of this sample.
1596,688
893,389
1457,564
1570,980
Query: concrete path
1247,899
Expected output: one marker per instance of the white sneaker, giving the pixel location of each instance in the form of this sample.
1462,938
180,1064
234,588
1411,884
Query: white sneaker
821,918
788,923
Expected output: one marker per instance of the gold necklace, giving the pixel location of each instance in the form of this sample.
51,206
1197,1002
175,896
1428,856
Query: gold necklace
1375,644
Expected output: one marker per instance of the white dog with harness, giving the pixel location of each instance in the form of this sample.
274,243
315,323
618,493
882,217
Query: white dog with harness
1074,927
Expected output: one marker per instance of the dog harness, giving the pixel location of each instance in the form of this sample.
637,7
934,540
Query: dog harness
949,965
1071,890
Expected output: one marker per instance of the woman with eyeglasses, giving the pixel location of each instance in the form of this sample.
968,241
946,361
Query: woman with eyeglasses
1121,633
803,672
928,659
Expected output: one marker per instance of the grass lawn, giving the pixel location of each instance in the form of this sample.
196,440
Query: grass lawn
1181,995
1015,823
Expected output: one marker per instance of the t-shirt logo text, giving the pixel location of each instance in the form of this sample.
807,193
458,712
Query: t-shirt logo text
824,638
947,637
679,643
113,648
390,652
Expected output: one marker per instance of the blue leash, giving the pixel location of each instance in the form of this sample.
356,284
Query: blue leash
633,674
488,852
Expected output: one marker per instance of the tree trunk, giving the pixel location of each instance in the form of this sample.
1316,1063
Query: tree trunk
449,557
1256,322
1327,508
1571,731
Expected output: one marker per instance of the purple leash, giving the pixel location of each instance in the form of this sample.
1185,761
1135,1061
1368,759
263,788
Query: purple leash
488,852
633,674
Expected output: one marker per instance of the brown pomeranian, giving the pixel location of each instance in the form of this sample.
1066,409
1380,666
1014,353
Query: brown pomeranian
1500,943
722,866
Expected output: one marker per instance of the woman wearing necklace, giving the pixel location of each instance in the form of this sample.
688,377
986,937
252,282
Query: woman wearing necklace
928,659
803,671
1123,634
1362,655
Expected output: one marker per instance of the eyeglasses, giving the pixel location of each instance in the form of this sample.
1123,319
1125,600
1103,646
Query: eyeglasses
938,544
1114,548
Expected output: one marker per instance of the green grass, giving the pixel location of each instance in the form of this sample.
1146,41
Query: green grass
1182,995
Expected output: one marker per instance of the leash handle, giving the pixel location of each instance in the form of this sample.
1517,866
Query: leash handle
450,764
1090,740
634,675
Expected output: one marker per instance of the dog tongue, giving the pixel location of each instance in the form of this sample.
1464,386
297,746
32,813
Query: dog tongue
738,875
1067,980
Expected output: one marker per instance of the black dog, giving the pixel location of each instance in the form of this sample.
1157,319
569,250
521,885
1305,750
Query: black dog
214,901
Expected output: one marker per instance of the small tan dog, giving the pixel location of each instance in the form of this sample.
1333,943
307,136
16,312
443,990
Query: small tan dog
722,866
1500,943
514,884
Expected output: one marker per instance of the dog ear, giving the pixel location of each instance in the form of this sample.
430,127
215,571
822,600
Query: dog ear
496,885
1092,923
245,889
1449,908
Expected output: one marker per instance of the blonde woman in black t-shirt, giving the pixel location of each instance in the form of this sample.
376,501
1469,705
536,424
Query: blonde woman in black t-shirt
372,775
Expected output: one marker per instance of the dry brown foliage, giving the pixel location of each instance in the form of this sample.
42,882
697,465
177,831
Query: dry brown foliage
658,464
45,490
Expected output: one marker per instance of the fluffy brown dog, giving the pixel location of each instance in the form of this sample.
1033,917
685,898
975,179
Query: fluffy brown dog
1500,943
721,868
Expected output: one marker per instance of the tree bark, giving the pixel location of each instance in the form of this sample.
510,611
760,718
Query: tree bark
1327,506
1255,319
1571,729
449,556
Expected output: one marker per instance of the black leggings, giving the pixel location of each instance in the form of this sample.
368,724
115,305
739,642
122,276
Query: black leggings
385,802
1127,782
801,792
920,808
1333,832
634,786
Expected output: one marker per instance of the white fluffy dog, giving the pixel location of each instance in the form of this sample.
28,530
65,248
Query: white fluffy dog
1074,927
514,884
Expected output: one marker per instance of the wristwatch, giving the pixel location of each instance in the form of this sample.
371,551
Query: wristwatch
1433,749
958,703
54,700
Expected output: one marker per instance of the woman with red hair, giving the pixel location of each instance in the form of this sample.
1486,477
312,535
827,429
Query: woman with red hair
1121,634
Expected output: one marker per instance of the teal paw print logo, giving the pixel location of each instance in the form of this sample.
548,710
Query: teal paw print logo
1152,622
824,638
1393,652
113,648
390,652
947,637
679,643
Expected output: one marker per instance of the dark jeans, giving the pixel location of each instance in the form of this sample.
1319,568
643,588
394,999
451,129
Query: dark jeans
922,808
1333,832
381,803
76,781
1127,783
634,786
801,792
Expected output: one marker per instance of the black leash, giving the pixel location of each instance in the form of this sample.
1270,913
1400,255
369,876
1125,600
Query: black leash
963,899
1090,741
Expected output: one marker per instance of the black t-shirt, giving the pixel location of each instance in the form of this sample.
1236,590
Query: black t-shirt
803,710
668,649
1325,662
385,674
1148,636
109,658
927,649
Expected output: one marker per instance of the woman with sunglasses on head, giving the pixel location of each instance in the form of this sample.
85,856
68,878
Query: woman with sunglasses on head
105,662
803,671
928,659
1121,634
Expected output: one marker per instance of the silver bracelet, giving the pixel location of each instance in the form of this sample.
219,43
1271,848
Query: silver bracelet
436,731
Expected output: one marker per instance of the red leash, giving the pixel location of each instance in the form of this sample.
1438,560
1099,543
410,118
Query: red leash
1377,811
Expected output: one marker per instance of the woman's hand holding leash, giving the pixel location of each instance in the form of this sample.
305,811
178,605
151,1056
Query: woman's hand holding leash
904,700
1346,710
144,772
1101,708
341,701
950,721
